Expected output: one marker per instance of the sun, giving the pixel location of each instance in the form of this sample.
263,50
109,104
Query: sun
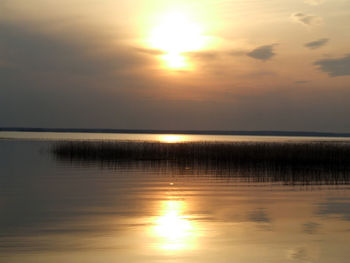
175,35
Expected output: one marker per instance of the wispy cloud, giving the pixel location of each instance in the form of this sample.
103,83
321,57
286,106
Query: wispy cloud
317,43
306,19
262,53
335,66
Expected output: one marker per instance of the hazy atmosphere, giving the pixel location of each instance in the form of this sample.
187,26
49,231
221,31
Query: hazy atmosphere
156,64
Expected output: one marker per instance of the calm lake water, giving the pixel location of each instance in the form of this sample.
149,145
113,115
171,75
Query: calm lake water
66,211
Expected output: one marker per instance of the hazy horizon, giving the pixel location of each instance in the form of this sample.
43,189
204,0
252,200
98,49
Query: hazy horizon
176,131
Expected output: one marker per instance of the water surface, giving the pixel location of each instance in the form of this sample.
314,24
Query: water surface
67,211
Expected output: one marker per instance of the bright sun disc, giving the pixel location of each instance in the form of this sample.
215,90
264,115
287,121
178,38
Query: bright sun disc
175,35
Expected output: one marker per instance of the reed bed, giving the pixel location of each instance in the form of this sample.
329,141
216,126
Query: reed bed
270,156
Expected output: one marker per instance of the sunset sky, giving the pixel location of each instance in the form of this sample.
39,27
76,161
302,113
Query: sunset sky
161,64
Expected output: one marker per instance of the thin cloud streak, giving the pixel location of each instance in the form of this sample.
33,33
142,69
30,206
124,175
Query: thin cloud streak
317,44
306,20
263,53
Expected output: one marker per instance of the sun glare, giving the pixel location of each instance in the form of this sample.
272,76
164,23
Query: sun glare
171,138
175,60
175,230
175,35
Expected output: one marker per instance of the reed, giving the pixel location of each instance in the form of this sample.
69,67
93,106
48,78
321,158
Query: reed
316,156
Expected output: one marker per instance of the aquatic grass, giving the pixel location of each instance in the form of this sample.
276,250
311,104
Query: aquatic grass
334,156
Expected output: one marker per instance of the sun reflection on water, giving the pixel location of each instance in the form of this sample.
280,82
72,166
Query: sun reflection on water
172,138
173,229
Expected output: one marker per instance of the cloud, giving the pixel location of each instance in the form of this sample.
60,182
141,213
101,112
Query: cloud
262,53
314,2
317,44
307,20
335,66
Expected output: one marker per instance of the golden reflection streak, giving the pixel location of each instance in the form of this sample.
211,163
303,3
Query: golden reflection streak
170,138
174,230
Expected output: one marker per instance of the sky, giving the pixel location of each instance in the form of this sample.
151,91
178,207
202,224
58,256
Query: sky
162,64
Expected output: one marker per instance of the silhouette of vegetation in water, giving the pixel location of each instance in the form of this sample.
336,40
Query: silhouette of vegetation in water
321,162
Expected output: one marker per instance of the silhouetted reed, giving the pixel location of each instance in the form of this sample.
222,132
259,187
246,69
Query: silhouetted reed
290,162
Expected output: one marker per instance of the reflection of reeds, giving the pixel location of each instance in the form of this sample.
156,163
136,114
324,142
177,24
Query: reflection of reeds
306,162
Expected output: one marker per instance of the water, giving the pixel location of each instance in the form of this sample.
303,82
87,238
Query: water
62,211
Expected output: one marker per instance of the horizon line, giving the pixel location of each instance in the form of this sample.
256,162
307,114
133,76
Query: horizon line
189,131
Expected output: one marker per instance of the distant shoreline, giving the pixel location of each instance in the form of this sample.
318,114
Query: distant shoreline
186,132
